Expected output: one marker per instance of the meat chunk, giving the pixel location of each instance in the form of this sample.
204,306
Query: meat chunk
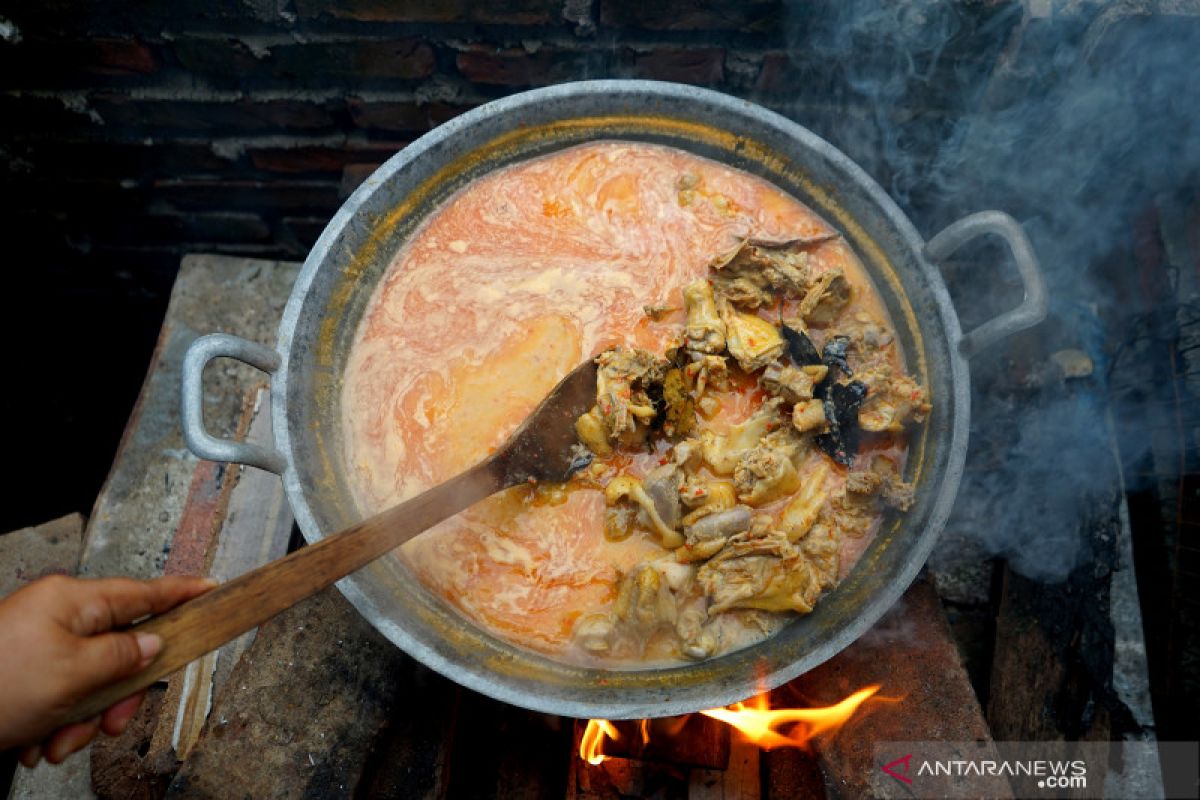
624,409
766,573
644,600
747,274
704,331
808,416
881,479
793,384
679,409
825,300
706,537
624,490
751,340
801,513
892,401
822,547
715,496
723,451
767,472
662,486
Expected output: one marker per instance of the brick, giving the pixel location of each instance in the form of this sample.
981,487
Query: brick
751,16
169,228
313,62
47,62
704,66
241,195
308,159
245,115
518,67
122,57
397,116
304,230
353,176
512,12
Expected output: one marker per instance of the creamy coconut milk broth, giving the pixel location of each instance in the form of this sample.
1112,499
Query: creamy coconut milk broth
504,289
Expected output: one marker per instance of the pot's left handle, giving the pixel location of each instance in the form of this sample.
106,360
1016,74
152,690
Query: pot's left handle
198,439
1032,309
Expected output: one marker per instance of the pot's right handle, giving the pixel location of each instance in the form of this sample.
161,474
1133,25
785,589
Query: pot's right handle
198,439
1032,309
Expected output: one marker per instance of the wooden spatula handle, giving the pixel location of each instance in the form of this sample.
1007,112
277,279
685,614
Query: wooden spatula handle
209,621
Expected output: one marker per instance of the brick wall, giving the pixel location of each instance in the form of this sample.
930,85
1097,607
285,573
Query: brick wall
153,128
132,133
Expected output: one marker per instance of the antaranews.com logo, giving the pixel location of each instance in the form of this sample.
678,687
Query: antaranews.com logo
1035,769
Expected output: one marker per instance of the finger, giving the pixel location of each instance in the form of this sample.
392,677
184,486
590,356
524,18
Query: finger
70,738
101,605
108,657
30,756
116,719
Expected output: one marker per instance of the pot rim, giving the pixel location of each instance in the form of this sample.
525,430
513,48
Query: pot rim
692,697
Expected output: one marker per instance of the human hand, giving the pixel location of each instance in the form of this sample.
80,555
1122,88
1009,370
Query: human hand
57,647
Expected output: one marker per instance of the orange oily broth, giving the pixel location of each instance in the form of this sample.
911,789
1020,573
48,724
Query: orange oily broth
504,289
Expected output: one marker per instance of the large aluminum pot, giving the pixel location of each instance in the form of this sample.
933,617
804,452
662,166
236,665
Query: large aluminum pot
355,249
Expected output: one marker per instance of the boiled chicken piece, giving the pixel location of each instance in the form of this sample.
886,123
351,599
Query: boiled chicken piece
622,404
704,331
801,513
767,472
808,416
716,496
594,633
723,451
706,537
825,300
822,547
766,573
881,479
624,489
747,274
751,340
793,384
644,600
892,401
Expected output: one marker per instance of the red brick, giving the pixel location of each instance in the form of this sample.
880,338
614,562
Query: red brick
689,15
121,57
299,159
304,230
245,115
167,228
513,12
518,67
241,195
704,66
400,59
42,62
406,117
353,176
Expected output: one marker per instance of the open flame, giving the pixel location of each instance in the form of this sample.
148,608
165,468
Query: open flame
756,721
593,736
765,727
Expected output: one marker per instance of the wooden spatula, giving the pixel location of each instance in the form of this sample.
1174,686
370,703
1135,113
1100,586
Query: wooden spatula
542,449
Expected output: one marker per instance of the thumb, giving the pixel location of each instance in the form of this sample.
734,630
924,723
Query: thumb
109,657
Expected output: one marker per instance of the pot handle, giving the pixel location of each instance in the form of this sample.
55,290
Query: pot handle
1032,309
198,439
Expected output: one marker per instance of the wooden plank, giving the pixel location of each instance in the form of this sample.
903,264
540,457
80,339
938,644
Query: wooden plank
740,781
622,777
501,751
693,740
